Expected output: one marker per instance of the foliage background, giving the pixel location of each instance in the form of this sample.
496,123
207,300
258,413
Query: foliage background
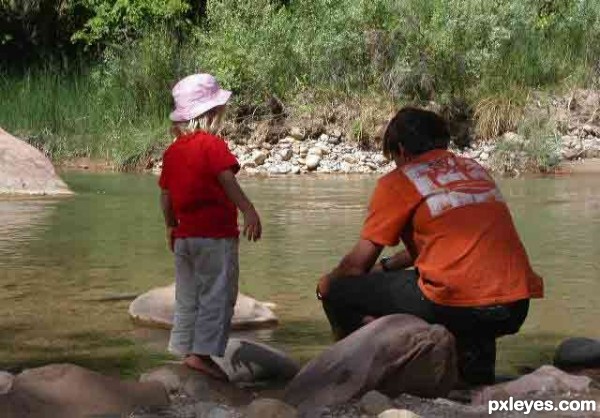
92,77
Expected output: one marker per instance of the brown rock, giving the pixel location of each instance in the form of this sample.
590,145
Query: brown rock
6,381
374,403
270,408
25,170
177,378
398,413
395,354
69,391
547,380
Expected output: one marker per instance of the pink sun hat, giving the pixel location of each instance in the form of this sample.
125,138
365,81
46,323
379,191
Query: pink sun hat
196,94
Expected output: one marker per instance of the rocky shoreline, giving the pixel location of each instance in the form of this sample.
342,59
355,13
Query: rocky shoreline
553,132
333,155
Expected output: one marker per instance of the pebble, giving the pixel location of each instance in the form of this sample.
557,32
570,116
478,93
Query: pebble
259,157
374,403
312,161
328,153
398,413
212,410
297,133
270,408
286,154
316,151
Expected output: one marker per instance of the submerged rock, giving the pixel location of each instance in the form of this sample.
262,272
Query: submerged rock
395,354
25,170
69,391
156,308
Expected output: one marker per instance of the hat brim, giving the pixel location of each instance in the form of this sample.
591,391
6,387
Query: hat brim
188,113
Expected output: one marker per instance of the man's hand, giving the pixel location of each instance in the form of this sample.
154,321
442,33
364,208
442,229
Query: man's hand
323,287
358,261
399,261
252,225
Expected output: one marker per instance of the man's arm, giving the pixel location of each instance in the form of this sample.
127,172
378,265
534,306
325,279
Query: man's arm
358,261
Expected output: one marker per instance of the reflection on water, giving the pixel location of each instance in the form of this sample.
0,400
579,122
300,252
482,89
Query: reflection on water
57,255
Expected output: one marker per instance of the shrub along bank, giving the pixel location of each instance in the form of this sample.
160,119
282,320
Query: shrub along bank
106,92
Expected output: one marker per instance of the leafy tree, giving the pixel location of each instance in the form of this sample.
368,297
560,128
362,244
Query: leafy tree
116,21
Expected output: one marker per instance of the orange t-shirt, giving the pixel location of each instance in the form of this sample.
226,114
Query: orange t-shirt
452,218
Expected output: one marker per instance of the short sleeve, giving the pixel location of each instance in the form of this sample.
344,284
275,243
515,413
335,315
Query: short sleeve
387,216
221,158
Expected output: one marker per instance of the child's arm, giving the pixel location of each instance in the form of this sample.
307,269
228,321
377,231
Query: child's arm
252,226
169,215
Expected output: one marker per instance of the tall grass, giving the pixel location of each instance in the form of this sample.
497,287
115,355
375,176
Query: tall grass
487,54
72,115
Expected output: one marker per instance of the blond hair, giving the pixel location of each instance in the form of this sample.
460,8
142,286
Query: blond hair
210,121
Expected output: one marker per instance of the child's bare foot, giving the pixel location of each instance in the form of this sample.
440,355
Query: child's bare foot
206,365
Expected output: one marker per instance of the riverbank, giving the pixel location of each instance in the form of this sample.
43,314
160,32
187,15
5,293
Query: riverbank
553,134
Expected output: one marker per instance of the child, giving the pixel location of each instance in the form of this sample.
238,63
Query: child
200,197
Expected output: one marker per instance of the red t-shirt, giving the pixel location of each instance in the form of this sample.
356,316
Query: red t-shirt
190,169
453,220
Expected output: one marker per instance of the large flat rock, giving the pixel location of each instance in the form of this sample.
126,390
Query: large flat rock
24,170
156,308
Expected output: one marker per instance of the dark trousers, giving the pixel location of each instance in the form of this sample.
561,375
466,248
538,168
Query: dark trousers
475,329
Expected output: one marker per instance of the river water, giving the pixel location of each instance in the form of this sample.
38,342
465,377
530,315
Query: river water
58,257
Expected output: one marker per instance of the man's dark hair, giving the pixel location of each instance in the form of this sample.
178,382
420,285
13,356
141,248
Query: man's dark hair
417,130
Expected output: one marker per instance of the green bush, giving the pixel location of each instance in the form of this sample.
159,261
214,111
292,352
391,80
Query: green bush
487,54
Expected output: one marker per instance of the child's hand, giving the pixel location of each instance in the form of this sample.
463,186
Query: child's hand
252,226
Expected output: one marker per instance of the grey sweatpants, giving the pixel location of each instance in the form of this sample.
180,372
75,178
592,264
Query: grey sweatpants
206,286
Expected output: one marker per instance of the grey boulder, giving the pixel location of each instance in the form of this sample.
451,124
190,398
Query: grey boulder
578,353
24,170
69,391
545,381
179,379
394,354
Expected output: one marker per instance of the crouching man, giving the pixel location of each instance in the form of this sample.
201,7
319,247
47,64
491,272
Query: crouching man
464,265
